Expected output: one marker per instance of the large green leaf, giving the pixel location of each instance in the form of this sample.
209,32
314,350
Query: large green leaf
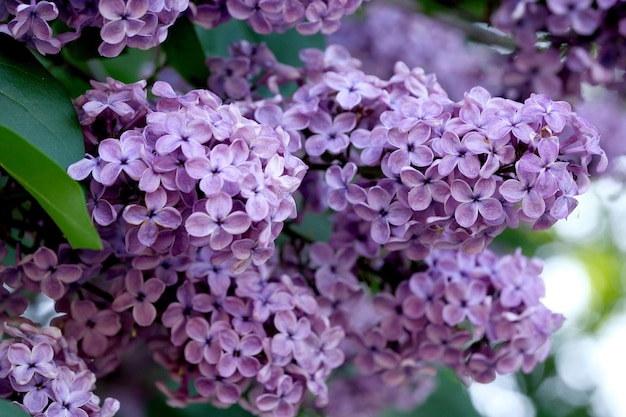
7,409
36,107
59,195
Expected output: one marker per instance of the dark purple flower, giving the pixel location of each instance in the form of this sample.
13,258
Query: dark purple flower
52,276
574,14
225,391
93,326
140,296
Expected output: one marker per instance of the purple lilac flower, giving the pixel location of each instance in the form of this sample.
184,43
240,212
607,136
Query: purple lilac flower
383,212
50,274
140,296
93,326
238,354
154,216
25,363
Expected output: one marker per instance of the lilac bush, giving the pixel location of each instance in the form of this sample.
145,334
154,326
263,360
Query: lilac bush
199,193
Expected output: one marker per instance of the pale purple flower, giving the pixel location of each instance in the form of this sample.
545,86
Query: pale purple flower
71,393
424,188
291,332
239,354
260,197
524,189
466,300
214,169
182,131
415,110
204,344
383,212
412,148
321,349
122,19
219,222
549,170
342,191
555,114
156,214
123,155
25,363
98,101
499,152
455,154
270,299
284,402
475,201
351,87
329,135
38,392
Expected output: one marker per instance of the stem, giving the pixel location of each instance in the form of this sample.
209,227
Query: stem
97,291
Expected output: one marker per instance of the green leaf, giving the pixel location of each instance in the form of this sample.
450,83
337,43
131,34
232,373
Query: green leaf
184,52
7,409
59,195
36,107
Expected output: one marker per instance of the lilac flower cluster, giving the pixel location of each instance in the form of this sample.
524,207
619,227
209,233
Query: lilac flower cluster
589,34
144,24
198,174
423,171
480,315
196,200
40,371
